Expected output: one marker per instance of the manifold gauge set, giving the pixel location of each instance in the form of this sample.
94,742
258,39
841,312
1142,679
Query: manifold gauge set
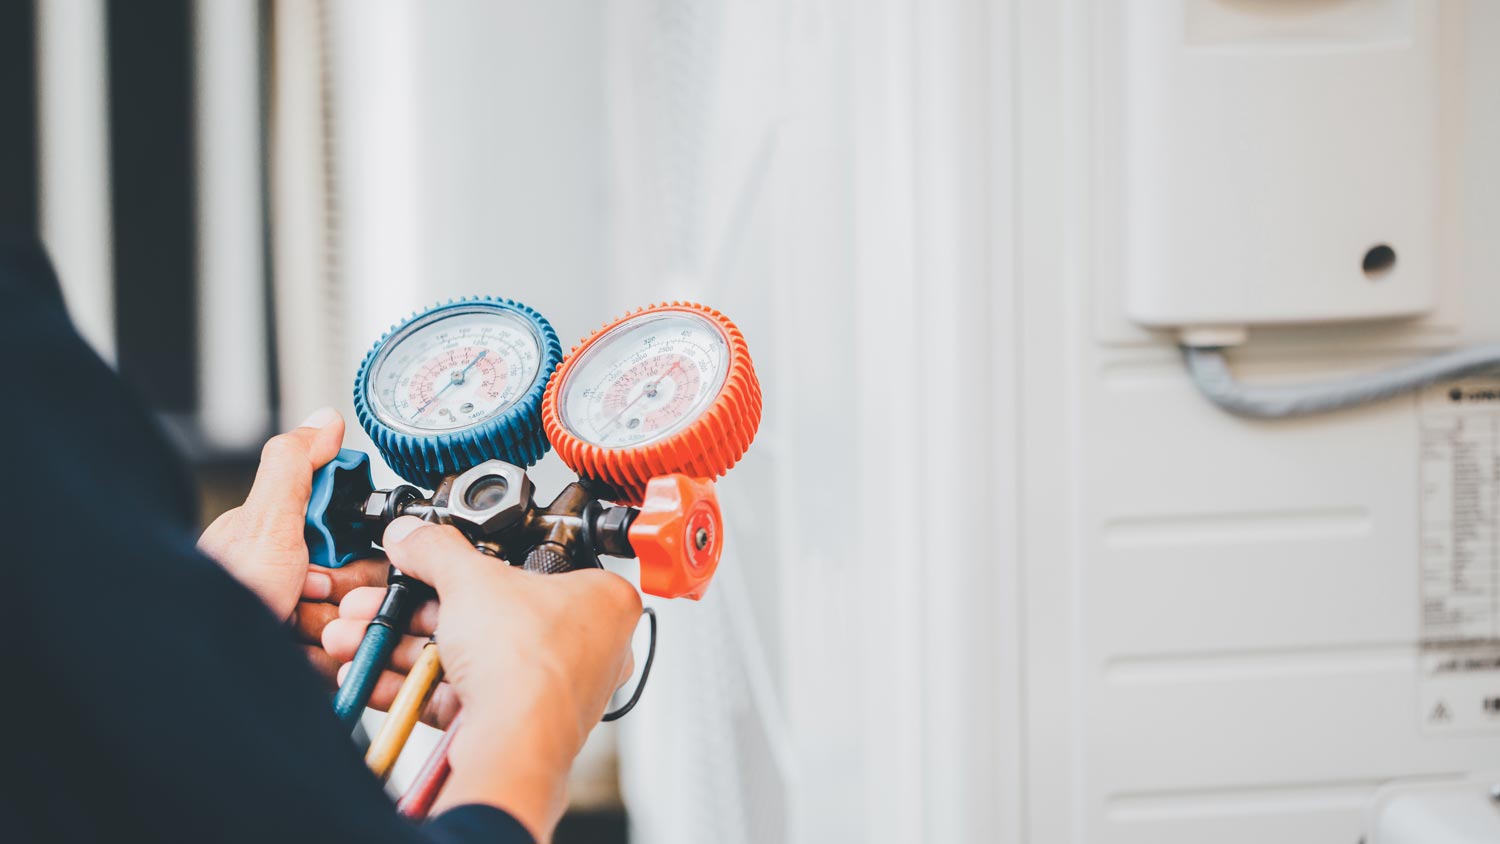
460,399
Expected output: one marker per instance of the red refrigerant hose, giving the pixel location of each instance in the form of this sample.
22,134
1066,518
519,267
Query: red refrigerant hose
424,789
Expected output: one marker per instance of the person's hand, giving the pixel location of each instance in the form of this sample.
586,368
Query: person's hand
342,635
261,544
532,659
318,607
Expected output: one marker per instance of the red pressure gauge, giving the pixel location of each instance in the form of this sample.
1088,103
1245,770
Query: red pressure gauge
665,390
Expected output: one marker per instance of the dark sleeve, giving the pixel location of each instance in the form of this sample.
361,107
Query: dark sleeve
162,701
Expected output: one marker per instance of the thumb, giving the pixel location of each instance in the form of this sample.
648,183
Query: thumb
433,554
283,483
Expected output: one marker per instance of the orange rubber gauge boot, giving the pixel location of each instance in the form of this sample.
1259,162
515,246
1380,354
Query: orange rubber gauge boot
666,390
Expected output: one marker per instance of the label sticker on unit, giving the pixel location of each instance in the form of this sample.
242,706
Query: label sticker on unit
1459,483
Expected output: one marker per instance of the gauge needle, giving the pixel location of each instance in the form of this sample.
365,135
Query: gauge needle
643,393
455,378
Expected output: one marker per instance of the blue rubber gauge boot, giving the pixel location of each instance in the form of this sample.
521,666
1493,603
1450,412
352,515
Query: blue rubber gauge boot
458,384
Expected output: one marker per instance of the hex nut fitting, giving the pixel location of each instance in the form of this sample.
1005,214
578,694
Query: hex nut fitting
490,497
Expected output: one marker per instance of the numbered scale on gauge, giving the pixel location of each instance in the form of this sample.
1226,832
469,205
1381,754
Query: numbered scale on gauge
454,369
645,379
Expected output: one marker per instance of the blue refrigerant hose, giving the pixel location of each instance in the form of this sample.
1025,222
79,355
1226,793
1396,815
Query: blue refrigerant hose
372,657
402,597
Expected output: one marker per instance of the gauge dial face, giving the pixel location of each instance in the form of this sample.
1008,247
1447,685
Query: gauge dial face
453,369
645,379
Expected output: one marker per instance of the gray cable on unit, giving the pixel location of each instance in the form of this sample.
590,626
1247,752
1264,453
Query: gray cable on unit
1210,371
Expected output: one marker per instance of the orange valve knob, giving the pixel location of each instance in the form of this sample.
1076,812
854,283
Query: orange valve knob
678,536
666,389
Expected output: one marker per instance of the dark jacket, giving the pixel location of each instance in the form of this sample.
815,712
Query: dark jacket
147,695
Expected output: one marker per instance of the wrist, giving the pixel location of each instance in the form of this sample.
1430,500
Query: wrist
513,766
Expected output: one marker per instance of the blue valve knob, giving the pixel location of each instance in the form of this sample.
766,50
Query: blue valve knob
335,530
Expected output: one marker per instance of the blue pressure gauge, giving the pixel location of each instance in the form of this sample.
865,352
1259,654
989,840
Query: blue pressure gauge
456,385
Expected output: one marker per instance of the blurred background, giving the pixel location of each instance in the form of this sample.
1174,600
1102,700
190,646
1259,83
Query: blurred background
995,570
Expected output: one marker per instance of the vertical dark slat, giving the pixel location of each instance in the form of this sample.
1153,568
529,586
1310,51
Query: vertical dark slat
151,78
273,372
18,114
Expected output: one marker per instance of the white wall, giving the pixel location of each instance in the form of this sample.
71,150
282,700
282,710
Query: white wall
1006,575
833,161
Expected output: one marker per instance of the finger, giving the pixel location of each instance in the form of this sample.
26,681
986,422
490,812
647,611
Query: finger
425,620
317,585
617,593
283,482
433,554
627,670
309,618
407,651
341,637
334,584
440,709
326,666
362,604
